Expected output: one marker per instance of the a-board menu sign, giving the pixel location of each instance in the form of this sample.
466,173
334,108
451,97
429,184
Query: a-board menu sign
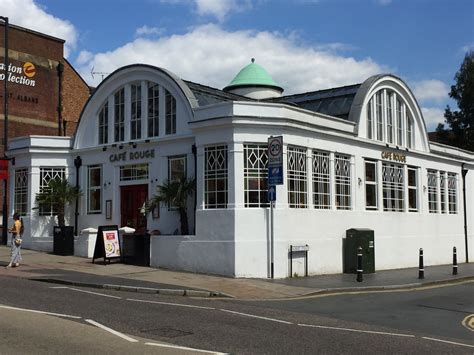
107,244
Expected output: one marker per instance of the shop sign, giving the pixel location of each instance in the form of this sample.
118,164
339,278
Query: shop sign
401,158
135,155
22,75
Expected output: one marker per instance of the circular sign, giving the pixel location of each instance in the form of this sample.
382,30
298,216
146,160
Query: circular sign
274,148
29,69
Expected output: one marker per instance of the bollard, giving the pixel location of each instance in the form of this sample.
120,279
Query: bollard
421,270
455,261
359,264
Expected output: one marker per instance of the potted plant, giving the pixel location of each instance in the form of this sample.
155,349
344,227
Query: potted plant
57,195
175,194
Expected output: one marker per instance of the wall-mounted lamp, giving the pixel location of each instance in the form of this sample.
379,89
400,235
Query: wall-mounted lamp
107,183
104,148
359,181
134,145
121,146
424,188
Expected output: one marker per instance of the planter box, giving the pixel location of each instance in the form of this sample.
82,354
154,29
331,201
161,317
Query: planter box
63,243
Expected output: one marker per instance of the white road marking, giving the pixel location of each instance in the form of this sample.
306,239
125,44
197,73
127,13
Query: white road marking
59,287
259,317
94,293
169,304
184,348
40,312
449,342
114,332
356,330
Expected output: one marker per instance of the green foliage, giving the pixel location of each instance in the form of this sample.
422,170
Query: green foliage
461,121
174,193
58,194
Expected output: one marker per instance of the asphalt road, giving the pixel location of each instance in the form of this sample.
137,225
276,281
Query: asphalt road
319,325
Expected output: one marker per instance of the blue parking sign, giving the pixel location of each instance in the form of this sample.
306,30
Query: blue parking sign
272,195
275,175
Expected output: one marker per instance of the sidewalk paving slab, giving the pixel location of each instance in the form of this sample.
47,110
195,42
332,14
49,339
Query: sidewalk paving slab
82,272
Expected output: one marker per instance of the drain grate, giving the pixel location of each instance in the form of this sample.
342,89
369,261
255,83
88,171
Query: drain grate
167,332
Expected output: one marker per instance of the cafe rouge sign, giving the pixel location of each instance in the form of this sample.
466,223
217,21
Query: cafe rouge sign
133,155
401,158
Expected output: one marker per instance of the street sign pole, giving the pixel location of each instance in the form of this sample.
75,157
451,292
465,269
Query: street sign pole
275,177
271,238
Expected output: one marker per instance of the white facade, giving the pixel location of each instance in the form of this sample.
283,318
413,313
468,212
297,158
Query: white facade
373,169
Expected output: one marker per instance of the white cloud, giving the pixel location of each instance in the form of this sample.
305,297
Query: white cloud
434,90
26,13
212,56
467,48
149,31
432,116
219,9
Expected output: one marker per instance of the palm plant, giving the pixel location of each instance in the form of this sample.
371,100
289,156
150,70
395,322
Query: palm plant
58,194
175,193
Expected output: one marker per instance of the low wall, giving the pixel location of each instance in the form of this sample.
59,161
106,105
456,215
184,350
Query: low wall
189,254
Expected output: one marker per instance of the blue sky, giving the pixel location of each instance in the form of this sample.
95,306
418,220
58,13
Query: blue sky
304,44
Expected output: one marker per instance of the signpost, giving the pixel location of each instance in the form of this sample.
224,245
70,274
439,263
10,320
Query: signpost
275,177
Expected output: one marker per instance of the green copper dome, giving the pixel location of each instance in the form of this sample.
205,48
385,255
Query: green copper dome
253,75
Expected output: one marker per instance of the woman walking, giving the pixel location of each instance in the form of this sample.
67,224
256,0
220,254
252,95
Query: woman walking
16,242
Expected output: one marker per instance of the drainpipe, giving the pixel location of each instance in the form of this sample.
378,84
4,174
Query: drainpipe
77,164
194,150
60,108
464,173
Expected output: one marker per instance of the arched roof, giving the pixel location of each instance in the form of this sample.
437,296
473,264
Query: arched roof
126,75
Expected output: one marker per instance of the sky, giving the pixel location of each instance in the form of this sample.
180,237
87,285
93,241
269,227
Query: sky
305,45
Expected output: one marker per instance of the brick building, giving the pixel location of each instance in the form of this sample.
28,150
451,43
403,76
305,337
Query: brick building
45,93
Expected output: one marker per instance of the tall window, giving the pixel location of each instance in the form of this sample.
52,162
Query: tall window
409,141
21,191
256,175
342,175
432,191
170,113
390,124
321,180
297,178
94,189
153,110
136,114
442,191
393,187
104,124
452,193
119,117
399,112
176,168
371,185
46,175
215,177
412,189
379,110
370,120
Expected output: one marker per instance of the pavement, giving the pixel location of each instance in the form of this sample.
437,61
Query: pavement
72,270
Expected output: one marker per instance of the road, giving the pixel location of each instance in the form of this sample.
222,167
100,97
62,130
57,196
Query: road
130,321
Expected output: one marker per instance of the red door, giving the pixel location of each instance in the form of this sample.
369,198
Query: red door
131,200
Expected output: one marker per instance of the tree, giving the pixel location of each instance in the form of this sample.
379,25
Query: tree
175,193
58,194
461,121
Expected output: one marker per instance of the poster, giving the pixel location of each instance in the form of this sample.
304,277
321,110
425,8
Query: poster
111,243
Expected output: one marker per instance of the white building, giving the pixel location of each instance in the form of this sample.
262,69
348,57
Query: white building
355,157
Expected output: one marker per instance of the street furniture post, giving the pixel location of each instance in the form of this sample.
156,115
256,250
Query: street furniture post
360,277
455,261
421,270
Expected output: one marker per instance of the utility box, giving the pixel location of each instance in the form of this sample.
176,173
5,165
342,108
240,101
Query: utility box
356,237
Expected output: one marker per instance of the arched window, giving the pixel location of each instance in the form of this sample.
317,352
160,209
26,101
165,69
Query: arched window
389,119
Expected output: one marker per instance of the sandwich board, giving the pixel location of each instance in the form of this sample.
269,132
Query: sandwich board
107,244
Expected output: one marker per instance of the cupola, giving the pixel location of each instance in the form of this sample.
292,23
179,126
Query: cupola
253,81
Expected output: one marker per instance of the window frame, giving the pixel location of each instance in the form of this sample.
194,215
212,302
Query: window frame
216,184
297,177
91,189
256,174
412,188
20,191
153,105
170,113
47,174
321,170
135,111
393,192
343,182
119,115
371,183
103,122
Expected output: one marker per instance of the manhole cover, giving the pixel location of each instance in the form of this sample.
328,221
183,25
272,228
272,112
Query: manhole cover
167,332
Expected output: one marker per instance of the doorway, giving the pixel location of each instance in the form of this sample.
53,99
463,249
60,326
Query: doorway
132,198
